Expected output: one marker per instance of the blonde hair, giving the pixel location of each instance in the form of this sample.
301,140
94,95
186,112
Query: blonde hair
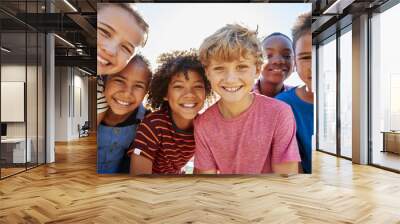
229,43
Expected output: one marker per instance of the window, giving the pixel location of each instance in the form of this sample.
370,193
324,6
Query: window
327,96
22,65
346,93
385,89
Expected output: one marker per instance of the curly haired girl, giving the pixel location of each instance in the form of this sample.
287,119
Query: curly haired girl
164,140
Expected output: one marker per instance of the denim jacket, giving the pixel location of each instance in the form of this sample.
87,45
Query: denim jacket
113,143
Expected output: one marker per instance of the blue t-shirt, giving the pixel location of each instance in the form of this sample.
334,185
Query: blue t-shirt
304,115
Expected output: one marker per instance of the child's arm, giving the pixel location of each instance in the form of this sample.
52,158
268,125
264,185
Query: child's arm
204,162
144,148
286,168
285,152
102,104
140,165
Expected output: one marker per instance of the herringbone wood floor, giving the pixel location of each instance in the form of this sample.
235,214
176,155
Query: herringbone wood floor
70,191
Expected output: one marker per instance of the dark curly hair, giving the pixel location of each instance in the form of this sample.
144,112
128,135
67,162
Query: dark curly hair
171,64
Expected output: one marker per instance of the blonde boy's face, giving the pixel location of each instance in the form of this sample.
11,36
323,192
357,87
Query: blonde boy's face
118,37
233,80
125,91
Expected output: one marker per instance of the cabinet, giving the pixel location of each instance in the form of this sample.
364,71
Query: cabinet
13,150
391,141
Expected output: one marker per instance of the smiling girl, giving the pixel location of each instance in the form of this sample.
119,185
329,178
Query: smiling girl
124,93
121,31
164,142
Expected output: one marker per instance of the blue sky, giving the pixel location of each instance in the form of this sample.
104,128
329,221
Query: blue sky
181,26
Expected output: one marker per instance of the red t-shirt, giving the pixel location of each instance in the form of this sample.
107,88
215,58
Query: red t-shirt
263,135
158,139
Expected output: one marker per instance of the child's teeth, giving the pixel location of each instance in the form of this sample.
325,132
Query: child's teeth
102,61
189,105
123,102
232,89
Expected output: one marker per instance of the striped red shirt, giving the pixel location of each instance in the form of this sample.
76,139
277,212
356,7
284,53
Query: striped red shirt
159,140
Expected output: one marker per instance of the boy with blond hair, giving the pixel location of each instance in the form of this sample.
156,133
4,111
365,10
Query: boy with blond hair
244,132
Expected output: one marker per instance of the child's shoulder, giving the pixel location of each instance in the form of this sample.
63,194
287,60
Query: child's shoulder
157,116
287,94
265,100
210,114
289,97
157,113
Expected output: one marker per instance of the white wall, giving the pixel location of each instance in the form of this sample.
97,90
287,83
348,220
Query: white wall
33,126
70,83
61,103
80,111
16,73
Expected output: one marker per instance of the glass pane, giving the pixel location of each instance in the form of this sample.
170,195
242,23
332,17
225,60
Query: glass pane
32,8
385,89
41,99
13,85
327,97
31,98
346,94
